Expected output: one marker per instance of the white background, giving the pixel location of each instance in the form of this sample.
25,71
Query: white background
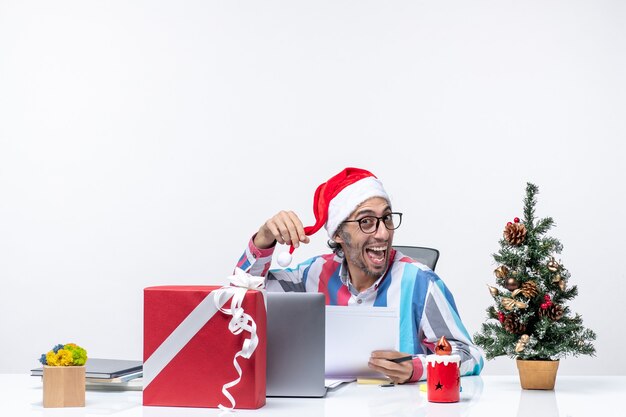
143,142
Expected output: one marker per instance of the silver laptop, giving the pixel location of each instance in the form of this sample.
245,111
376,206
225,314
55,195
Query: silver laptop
295,344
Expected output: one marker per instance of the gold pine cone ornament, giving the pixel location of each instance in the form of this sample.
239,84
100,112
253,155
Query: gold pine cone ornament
529,289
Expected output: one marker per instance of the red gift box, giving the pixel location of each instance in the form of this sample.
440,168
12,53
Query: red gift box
189,349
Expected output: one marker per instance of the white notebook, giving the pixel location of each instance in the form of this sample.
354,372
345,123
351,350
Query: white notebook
352,333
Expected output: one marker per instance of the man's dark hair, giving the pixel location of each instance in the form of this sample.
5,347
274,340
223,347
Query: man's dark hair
334,246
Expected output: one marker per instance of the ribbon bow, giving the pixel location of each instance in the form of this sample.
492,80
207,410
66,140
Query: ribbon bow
241,282
510,303
244,280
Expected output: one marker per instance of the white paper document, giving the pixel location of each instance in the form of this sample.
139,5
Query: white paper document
352,333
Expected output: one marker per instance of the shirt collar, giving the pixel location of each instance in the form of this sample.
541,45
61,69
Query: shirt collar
345,279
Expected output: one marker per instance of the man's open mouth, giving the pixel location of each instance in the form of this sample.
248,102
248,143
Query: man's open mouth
376,254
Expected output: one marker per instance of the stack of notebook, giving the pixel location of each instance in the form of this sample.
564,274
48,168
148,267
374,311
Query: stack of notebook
109,374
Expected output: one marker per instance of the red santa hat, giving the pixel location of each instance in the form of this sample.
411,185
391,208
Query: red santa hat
337,198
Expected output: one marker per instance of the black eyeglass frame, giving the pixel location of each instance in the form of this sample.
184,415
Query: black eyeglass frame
378,219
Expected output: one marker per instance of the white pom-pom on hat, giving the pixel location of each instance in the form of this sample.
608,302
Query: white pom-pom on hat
284,259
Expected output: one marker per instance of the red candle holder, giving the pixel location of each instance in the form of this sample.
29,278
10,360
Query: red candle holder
443,378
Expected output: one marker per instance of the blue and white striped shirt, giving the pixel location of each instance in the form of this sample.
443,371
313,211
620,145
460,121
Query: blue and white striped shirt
427,307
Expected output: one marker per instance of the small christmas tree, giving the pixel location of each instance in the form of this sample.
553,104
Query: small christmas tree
530,318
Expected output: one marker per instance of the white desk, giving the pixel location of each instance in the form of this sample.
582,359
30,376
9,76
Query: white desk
482,396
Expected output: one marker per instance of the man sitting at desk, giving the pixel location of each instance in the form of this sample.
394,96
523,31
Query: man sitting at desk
364,270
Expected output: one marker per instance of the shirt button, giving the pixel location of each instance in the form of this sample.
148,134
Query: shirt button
359,301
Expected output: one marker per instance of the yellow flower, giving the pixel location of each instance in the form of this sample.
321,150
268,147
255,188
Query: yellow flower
65,357
61,358
51,359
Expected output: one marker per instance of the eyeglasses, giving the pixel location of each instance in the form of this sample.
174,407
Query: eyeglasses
369,224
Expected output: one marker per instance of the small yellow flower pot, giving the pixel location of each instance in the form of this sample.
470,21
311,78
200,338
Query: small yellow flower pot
534,374
63,386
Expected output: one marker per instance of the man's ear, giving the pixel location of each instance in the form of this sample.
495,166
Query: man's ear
338,238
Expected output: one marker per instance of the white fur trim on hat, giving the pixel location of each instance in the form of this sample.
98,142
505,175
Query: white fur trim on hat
349,199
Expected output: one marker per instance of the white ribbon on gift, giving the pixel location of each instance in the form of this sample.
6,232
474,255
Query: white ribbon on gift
240,322
199,316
